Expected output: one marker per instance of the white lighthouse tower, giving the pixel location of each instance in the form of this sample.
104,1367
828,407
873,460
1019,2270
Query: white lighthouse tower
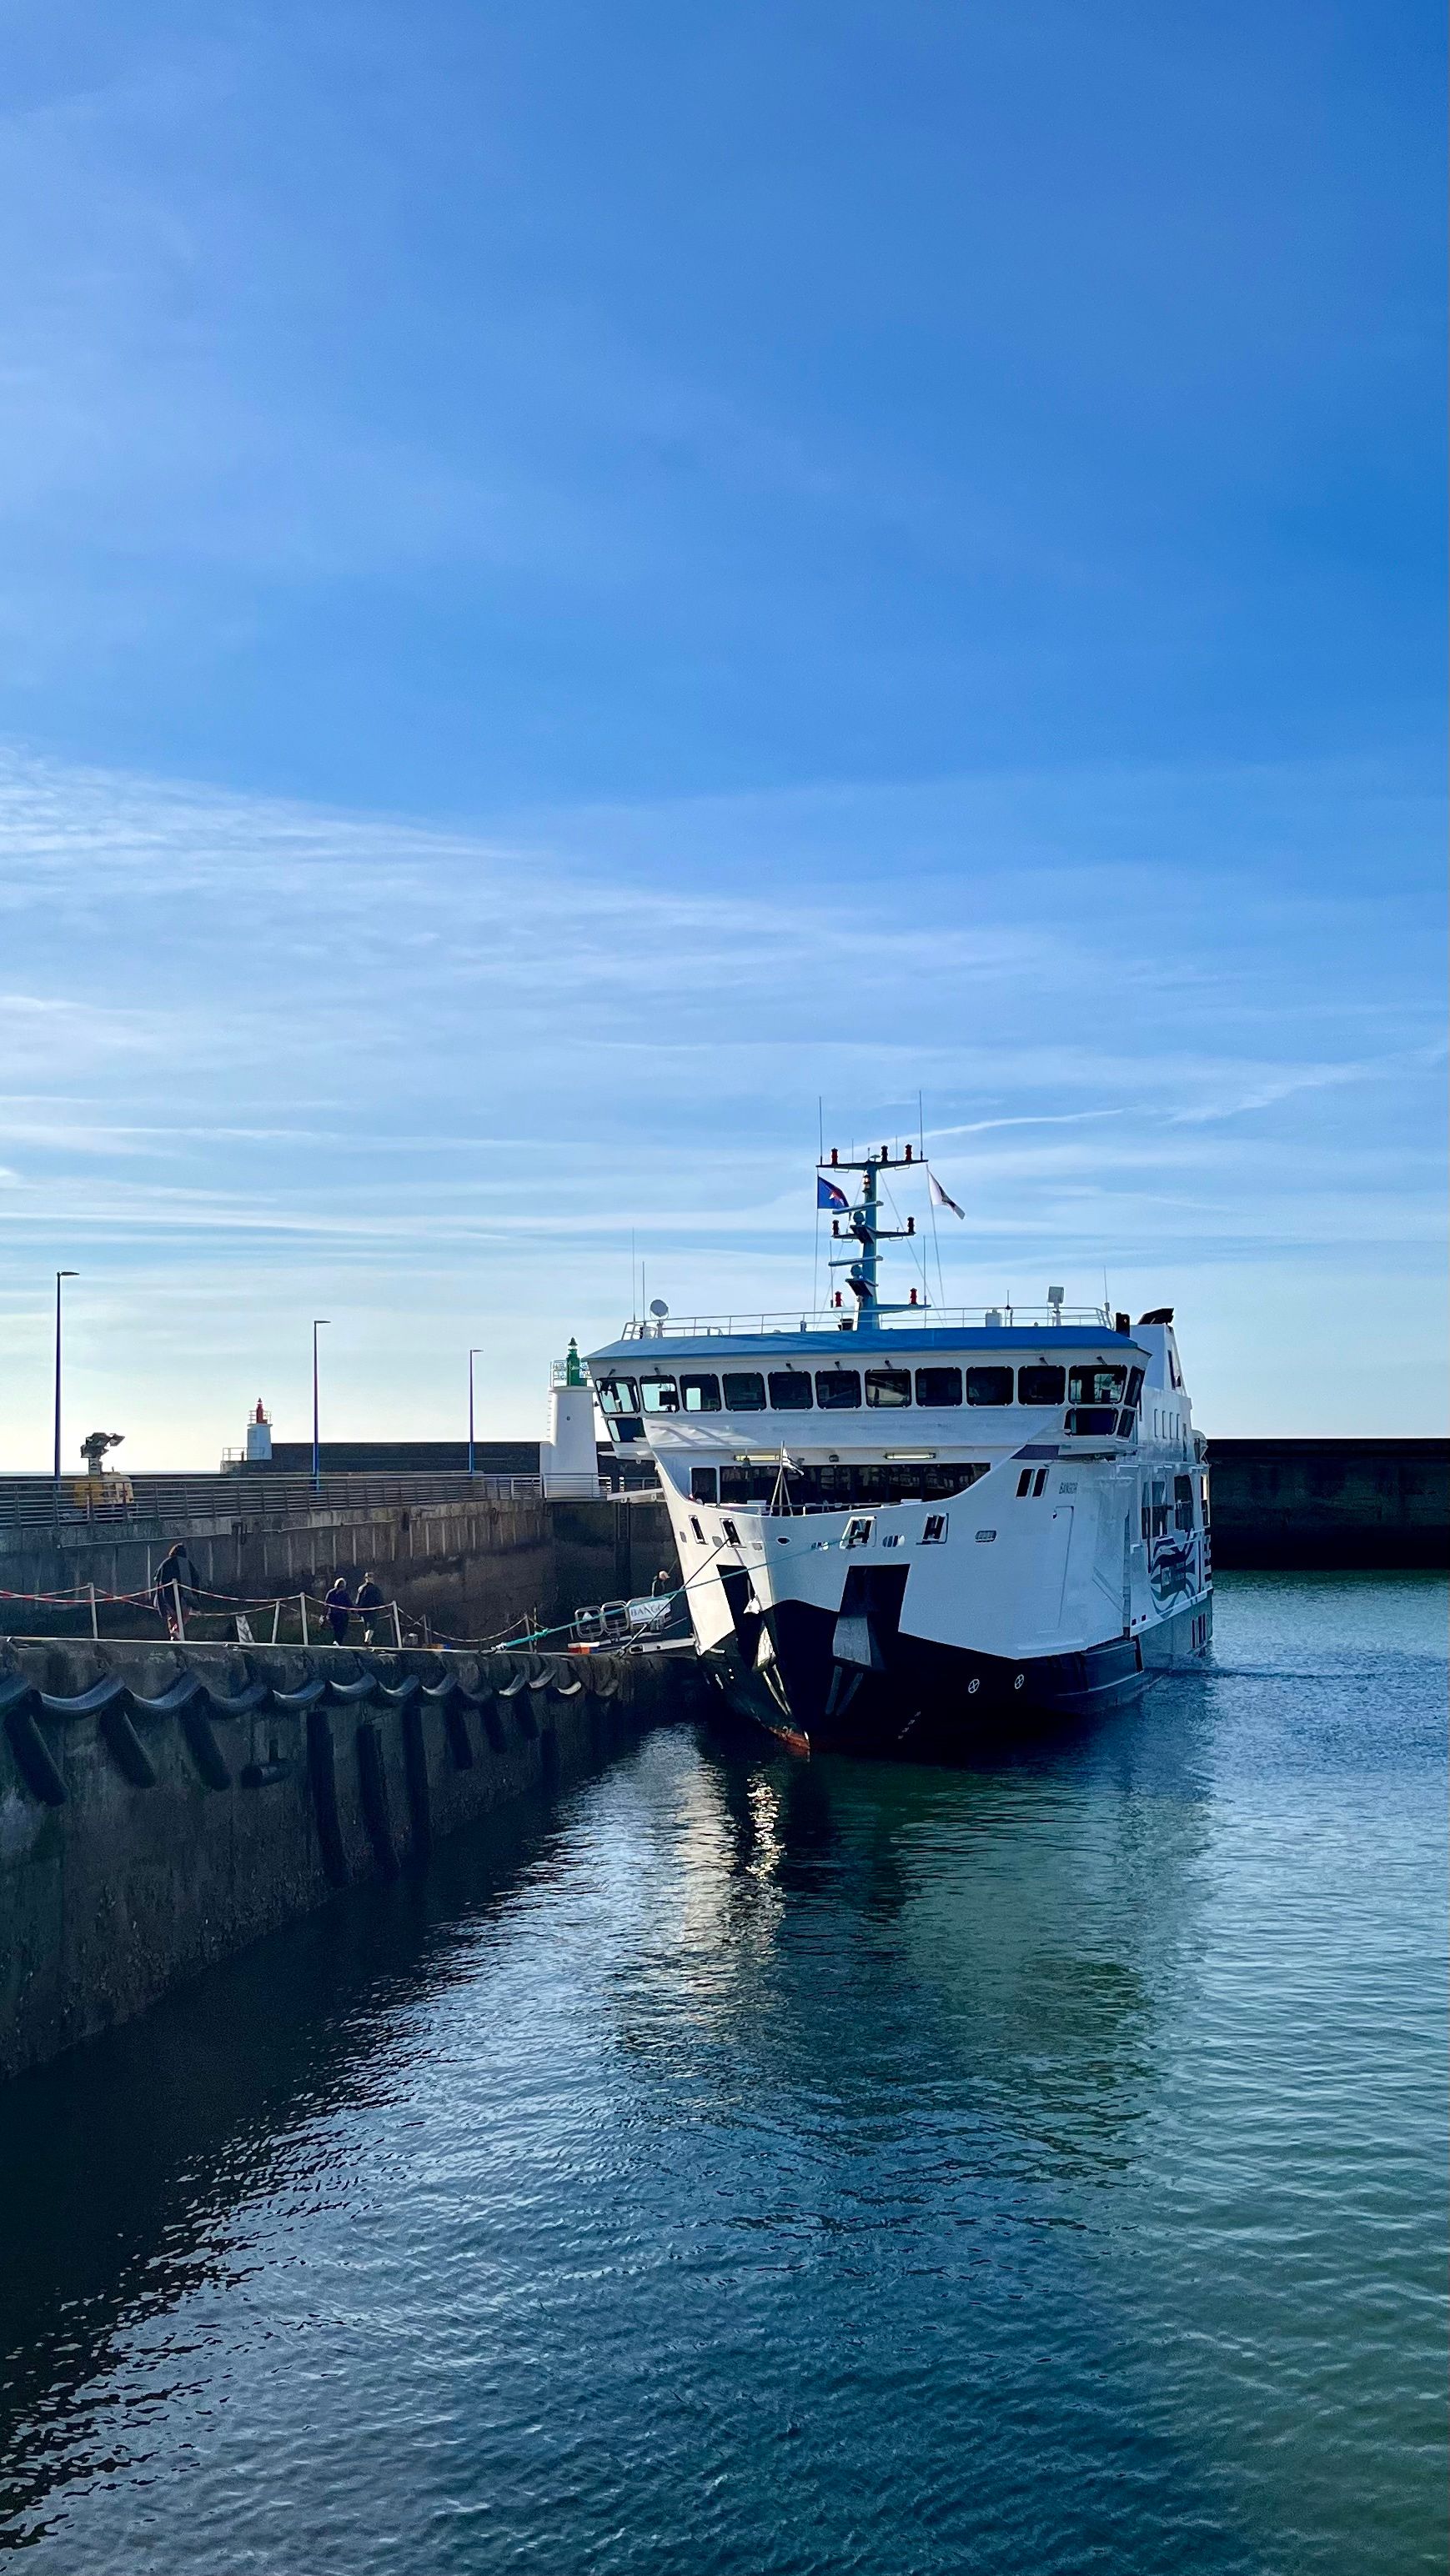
568,1459
259,1437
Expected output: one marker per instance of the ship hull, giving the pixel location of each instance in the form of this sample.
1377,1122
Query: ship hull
930,1702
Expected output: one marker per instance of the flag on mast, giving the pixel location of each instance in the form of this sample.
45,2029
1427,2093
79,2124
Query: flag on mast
940,1197
829,1196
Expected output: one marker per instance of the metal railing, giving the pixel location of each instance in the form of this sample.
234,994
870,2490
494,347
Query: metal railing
259,1501
831,1319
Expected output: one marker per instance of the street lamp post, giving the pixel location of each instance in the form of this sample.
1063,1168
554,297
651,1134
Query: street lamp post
60,1274
472,1356
317,1323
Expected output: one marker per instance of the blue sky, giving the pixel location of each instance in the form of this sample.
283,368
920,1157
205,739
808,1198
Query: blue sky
574,579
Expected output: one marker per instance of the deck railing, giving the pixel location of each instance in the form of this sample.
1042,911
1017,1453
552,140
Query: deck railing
830,1319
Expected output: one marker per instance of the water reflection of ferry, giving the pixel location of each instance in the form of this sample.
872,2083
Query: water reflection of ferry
899,1527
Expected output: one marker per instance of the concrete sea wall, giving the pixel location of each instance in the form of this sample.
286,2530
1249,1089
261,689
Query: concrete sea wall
1330,1503
160,1807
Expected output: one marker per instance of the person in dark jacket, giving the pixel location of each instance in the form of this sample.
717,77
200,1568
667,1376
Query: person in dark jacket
337,1602
369,1602
175,1568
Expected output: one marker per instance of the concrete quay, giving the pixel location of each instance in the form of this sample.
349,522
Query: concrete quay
163,1806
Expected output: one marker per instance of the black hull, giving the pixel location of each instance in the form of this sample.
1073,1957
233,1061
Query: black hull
924,1701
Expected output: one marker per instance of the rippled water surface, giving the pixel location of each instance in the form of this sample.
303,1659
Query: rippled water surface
758,2166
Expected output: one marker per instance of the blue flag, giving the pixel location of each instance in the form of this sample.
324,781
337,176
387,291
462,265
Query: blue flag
828,1196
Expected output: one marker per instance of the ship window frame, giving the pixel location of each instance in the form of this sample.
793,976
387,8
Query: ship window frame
744,1403
613,1387
704,1485
797,1377
876,1382
858,1530
1024,1484
939,1403
1097,1371
838,1377
664,1380
934,1529
988,1369
1051,1369
699,1378
1183,1502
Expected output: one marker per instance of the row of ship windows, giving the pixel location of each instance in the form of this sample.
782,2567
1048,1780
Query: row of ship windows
844,1390
825,1489
831,1489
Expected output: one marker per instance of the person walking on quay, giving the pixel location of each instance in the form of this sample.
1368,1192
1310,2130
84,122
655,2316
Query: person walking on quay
369,1601
337,1602
176,1569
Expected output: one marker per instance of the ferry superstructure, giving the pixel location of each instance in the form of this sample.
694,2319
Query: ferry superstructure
899,1527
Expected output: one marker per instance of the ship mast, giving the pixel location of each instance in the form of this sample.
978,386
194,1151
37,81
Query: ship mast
863,1224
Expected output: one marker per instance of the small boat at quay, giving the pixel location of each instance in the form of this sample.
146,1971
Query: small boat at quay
903,1529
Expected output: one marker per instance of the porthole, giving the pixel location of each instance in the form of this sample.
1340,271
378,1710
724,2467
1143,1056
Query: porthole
1017,1680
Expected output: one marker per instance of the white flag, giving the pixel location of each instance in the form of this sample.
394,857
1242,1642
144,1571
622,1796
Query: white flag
940,1198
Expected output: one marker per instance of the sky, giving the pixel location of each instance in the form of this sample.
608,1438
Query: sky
577,582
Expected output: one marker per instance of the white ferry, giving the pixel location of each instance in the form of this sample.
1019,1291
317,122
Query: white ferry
900,1527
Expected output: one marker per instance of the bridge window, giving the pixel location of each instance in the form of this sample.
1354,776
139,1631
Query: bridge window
1088,1421
660,1395
1040,1385
1135,1385
619,1395
888,1387
1183,1502
748,1484
989,1386
1203,1493
790,1391
1155,1510
745,1392
699,1394
1096,1383
838,1390
939,1386
702,1485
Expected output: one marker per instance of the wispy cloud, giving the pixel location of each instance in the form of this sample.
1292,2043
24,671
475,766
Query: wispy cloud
426,1074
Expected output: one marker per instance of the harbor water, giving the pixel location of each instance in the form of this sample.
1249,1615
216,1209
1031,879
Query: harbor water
769,2166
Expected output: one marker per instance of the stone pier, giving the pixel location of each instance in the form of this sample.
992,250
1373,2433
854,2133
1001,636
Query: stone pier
162,1806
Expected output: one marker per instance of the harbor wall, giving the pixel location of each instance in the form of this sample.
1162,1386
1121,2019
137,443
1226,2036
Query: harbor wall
1330,1503
162,1807
470,1567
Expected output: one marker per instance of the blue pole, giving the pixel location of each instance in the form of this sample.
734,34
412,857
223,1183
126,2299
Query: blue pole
60,1274
472,1356
317,1322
